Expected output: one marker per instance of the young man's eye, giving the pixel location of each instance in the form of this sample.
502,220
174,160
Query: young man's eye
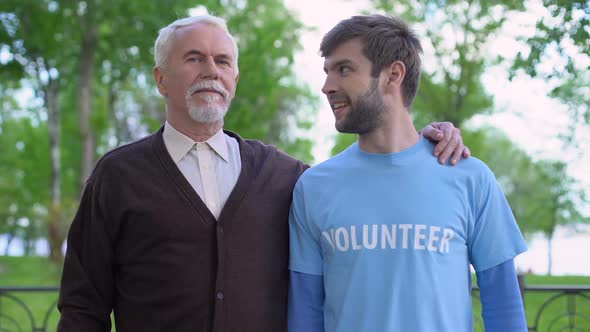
343,69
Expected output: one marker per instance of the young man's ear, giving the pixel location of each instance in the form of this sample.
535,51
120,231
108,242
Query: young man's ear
159,78
396,73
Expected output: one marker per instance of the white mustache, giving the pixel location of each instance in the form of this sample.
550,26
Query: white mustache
213,85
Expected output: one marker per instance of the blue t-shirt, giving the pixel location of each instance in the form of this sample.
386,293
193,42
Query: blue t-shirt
394,234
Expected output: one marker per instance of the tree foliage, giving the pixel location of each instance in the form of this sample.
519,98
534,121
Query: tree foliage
541,193
90,65
562,38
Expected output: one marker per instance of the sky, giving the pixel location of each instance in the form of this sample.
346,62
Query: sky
526,115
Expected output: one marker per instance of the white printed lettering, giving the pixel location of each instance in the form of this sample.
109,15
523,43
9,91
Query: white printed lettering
433,237
419,236
342,246
424,237
374,230
448,234
387,236
353,240
327,236
405,228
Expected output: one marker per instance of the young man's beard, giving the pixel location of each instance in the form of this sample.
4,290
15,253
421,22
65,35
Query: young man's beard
365,114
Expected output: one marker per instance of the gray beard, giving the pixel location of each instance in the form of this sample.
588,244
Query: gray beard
207,114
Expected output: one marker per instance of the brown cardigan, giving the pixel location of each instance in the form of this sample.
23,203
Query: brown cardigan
145,245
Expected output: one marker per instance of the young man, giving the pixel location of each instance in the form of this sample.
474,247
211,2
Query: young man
382,237
186,229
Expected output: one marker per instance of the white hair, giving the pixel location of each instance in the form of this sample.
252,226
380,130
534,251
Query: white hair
165,38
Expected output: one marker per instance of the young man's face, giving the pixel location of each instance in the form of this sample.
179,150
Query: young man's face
201,76
352,93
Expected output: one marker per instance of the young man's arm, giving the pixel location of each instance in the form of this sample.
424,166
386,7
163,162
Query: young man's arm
306,287
306,302
502,307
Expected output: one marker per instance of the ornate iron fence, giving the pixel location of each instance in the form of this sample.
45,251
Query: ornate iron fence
19,312
560,308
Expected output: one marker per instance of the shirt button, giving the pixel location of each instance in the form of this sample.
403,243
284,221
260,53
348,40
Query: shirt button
220,296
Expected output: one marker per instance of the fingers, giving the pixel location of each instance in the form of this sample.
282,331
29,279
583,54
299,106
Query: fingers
456,154
450,143
455,144
446,129
466,152
431,133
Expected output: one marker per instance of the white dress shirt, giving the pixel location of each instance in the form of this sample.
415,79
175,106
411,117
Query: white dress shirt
211,167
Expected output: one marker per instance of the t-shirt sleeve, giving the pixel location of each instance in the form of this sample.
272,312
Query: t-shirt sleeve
305,248
306,303
495,237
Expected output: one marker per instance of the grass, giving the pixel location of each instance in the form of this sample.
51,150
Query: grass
37,271
553,317
28,271
555,310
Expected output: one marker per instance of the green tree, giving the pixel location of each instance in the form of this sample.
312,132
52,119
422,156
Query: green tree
270,103
23,207
562,39
29,32
561,202
90,64
541,193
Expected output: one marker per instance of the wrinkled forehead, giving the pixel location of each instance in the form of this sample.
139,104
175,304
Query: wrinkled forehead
205,35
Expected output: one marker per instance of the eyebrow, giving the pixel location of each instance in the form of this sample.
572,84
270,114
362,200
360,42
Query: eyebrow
193,52
337,64
199,53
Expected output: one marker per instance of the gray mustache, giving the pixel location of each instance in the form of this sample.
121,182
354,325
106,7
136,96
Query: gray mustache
213,85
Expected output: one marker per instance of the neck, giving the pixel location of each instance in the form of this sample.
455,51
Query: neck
396,134
197,131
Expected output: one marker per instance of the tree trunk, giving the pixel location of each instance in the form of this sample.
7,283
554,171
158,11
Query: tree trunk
88,55
549,254
9,238
55,233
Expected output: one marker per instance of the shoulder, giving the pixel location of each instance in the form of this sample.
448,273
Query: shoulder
471,166
130,155
263,155
475,168
331,169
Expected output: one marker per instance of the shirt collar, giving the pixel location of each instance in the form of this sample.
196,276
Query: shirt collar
179,145
218,143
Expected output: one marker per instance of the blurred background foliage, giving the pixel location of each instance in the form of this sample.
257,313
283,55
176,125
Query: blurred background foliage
84,70
77,81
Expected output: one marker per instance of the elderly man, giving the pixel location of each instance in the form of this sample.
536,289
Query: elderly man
186,229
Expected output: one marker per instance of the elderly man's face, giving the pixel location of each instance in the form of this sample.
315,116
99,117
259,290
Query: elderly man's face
201,76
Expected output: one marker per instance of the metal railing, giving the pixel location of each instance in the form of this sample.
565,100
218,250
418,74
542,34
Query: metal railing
564,308
17,315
